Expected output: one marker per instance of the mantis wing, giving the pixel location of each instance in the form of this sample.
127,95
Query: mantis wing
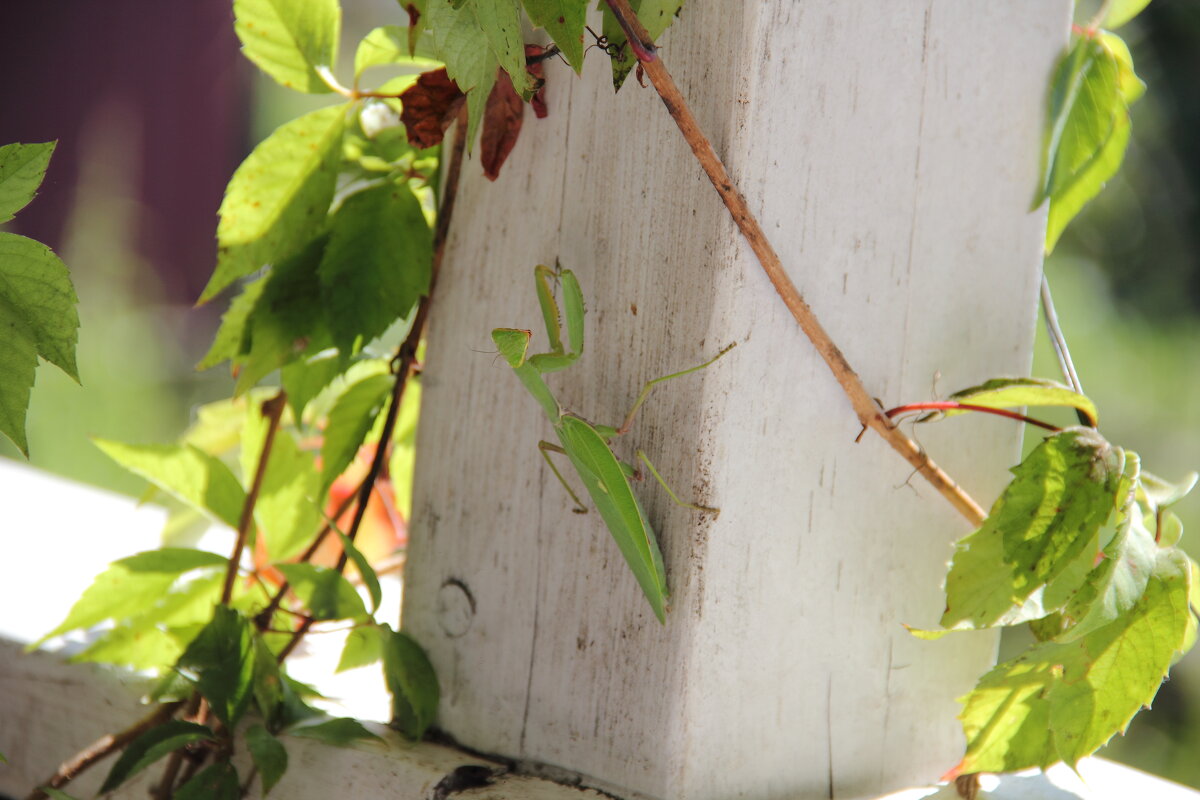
608,486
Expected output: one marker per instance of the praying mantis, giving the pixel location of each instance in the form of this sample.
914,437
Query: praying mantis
587,445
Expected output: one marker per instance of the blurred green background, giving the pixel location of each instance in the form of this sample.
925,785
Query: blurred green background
1125,277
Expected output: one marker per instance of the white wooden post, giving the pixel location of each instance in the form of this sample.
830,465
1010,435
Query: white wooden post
891,150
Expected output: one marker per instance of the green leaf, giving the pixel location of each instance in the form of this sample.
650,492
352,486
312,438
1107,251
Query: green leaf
268,683
229,341
22,168
364,645
501,24
132,584
1060,702
1059,497
412,683
286,511
655,15
402,465
364,569
1121,11
384,45
325,592
1088,133
279,196
564,21
338,732
185,472
55,794
305,378
1159,494
1116,584
289,318
151,746
290,39
37,318
222,659
377,263
1132,87
269,754
350,420
293,710
1017,392
215,782
460,43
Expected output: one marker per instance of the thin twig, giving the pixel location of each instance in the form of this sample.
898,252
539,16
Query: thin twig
1057,340
104,746
406,355
868,410
272,409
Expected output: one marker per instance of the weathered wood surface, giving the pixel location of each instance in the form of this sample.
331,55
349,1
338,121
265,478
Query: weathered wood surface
891,150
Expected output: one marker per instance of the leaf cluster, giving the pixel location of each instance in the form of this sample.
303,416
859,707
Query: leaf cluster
1083,546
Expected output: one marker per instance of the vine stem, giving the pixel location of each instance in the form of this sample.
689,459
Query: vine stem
405,360
954,405
104,746
272,409
869,412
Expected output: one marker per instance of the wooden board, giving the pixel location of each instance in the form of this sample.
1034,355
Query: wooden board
891,150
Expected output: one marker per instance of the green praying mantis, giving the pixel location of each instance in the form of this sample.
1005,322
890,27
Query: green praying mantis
587,445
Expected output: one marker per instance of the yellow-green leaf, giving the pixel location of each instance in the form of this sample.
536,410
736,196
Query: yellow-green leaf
290,39
279,197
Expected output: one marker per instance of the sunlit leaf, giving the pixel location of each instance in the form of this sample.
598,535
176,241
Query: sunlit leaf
1060,702
185,472
1089,129
377,263
151,746
131,585
412,683
384,45
352,417
365,570
22,167
38,317
269,754
1059,497
290,39
1017,392
278,198
325,592
222,659
402,464
364,645
287,509
1121,11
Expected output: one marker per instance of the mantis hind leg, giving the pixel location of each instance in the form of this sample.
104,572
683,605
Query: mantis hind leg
546,448
706,509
